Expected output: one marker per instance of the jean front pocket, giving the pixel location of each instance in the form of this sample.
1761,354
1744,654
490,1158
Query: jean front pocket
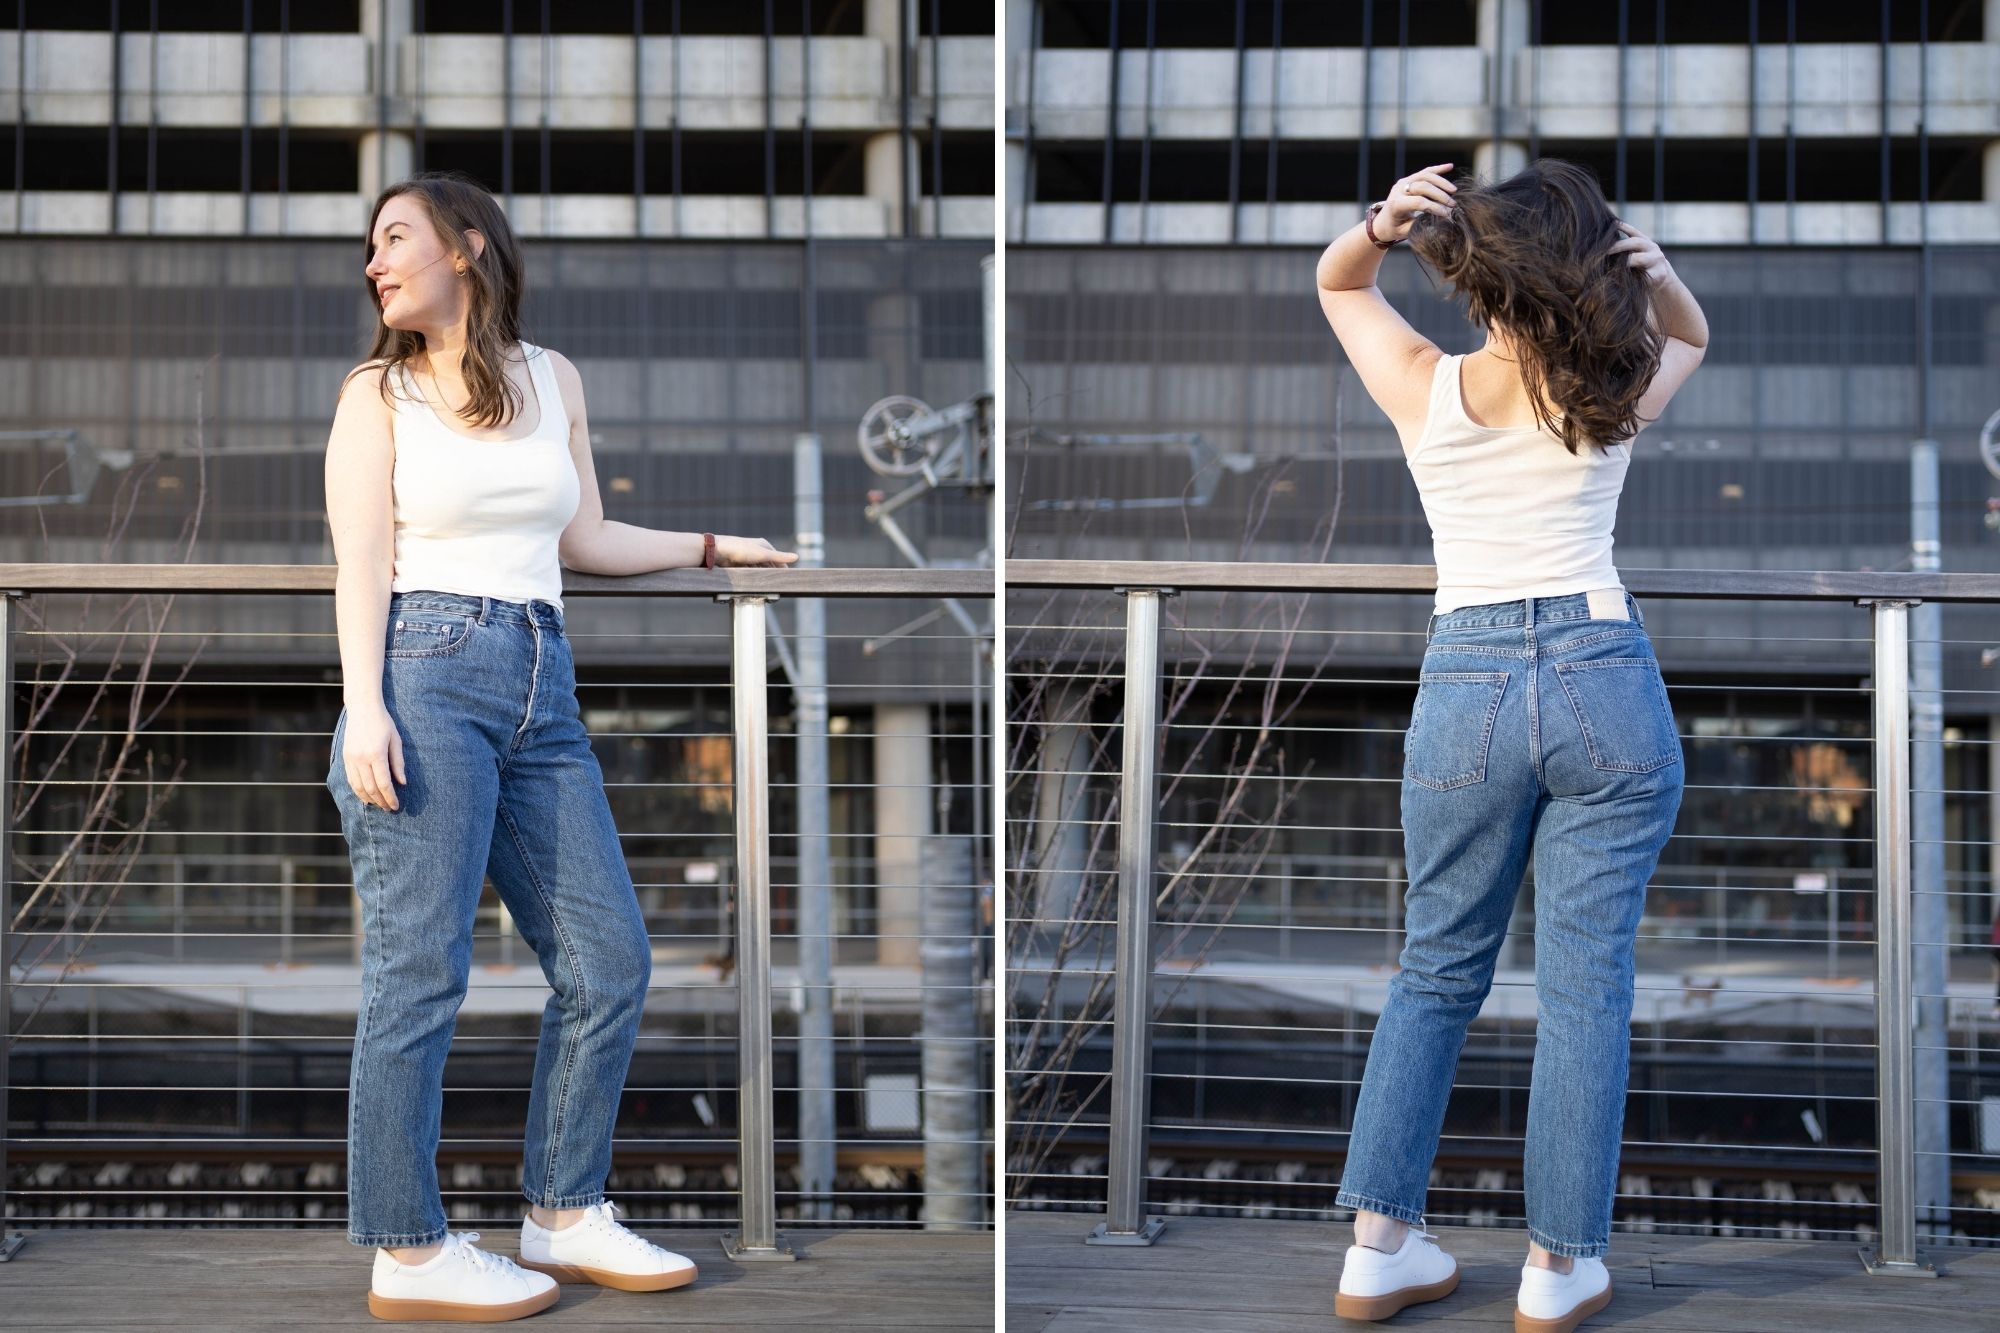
1451,727
1621,705
421,633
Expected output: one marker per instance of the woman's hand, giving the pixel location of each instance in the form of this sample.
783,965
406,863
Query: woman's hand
1646,254
372,749
750,551
1425,191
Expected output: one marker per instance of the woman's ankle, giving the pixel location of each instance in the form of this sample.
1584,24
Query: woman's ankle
414,1254
1379,1231
1555,1263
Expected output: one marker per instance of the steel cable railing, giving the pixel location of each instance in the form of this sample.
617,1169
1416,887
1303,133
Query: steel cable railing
188,958
1234,971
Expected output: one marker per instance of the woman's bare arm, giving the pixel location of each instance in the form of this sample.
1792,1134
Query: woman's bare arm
360,512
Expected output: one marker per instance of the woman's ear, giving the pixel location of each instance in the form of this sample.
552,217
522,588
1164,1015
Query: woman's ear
476,241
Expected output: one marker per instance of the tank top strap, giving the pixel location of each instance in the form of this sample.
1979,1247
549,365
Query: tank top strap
1444,387
1444,398
555,416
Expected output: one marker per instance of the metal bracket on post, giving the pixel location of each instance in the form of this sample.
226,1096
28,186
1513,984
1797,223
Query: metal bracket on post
756,1170
8,1244
1895,1002
1125,1222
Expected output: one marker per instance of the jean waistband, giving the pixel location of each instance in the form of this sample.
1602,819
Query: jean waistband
1523,611
485,609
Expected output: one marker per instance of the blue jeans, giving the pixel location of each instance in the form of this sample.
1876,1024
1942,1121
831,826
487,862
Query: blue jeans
1538,733
502,781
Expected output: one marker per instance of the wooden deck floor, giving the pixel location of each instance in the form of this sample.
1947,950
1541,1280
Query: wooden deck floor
268,1281
1215,1274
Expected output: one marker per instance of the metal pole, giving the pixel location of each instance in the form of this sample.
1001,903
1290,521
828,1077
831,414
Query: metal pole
1132,999
287,908
1930,921
815,861
758,1238
952,1127
1895,1087
8,1244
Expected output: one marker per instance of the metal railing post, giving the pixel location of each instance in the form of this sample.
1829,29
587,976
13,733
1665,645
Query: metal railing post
1125,1222
1895,1004
756,1129
8,1244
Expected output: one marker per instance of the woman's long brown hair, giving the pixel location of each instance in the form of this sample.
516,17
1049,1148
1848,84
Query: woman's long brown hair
457,203
1532,255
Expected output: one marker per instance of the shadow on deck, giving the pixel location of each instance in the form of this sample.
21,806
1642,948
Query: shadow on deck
236,1281
1215,1273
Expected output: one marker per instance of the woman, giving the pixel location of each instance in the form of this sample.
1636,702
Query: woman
458,485
1541,729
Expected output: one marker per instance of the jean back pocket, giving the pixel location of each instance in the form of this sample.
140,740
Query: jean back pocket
1451,727
1621,704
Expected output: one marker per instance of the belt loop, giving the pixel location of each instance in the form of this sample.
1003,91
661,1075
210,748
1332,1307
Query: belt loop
484,604
1430,628
1531,610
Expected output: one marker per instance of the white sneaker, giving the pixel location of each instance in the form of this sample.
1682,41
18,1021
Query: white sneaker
597,1248
460,1283
1552,1302
1374,1285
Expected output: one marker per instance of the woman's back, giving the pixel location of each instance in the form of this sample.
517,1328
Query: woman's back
1512,512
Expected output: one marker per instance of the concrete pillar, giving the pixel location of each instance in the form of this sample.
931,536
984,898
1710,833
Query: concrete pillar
904,801
1014,105
387,157
1502,29
881,165
1990,158
882,173
1491,166
883,20
1017,190
1061,806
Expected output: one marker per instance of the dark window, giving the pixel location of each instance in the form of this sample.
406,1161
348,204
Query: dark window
190,16
593,162
1827,170
968,163
1293,23
1595,22
697,18
956,18
73,158
1197,170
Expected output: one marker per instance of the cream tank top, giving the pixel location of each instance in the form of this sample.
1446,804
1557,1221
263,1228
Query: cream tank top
1512,513
482,517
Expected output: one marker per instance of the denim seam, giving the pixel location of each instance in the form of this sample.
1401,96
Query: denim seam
1630,632
368,1015
534,684
1481,649
573,1030
1534,700
397,1240
1349,1199
1563,672
566,1200
1486,739
1565,1249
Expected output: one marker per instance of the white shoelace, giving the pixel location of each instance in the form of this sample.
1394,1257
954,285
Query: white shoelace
603,1218
481,1260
